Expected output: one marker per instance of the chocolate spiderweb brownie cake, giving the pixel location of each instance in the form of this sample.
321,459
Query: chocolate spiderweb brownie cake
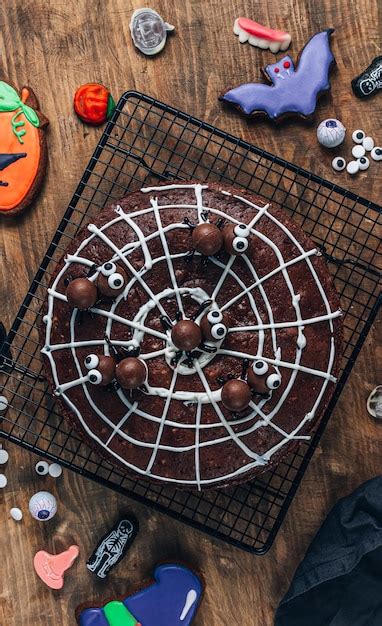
192,334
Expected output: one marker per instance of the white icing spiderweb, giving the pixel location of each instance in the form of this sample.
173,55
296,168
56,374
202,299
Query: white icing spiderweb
256,417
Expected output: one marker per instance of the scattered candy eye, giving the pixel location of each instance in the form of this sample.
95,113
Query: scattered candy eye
3,403
42,468
352,167
338,164
376,154
91,361
43,506
240,244
4,456
241,230
108,268
363,163
368,143
273,381
95,377
115,280
16,514
358,136
214,317
260,367
358,152
55,470
218,331
3,481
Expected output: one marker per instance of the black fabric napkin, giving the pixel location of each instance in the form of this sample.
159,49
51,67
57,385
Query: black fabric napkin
339,582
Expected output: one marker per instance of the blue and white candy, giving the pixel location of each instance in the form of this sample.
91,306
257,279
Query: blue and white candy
331,133
43,506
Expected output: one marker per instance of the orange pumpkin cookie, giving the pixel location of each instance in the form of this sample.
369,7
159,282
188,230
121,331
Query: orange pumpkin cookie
23,150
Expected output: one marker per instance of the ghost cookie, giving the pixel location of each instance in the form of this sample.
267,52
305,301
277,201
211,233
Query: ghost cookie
171,599
23,150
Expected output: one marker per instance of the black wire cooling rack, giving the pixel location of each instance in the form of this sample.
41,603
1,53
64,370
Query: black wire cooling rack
146,141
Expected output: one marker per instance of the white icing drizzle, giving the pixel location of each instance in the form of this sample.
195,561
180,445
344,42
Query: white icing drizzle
256,418
191,598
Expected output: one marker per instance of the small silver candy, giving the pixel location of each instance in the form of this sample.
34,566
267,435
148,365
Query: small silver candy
149,31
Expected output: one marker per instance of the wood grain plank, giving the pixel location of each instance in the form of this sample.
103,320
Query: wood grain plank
54,47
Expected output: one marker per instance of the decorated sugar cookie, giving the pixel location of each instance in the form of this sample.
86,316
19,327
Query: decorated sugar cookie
294,90
171,600
23,151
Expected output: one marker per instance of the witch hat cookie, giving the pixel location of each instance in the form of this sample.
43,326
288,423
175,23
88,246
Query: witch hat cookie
171,600
51,567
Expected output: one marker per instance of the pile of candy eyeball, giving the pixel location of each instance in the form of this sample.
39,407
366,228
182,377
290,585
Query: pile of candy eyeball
331,133
363,144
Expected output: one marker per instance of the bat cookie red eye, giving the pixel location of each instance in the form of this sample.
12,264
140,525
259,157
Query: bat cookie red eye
276,70
286,64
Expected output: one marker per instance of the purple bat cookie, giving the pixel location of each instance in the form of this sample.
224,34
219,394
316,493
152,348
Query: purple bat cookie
294,91
172,600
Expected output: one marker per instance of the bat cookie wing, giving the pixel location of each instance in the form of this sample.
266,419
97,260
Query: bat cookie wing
249,97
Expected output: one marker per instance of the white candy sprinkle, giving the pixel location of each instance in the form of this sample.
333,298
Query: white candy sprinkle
358,136
16,514
363,163
358,152
4,456
376,153
352,167
55,470
42,468
3,481
3,403
368,143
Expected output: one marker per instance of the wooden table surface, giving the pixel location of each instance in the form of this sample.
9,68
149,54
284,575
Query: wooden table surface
56,46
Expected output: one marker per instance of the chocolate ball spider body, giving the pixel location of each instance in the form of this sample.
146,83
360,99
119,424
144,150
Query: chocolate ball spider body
81,294
236,238
111,280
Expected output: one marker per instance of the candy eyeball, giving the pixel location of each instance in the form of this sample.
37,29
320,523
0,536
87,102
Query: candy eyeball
241,230
111,284
115,281
358,136
218,331
331,133
91,362
43,506
214,317
376,154
108,268
352,167
363,163
42,468
260,367
273,381
368,143
338,164
240,244
236,238
358,151
95,377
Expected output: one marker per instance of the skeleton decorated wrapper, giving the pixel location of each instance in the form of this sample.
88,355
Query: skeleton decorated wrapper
171,600
113,546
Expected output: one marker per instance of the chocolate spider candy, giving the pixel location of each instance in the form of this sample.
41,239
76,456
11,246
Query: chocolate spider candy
217,346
